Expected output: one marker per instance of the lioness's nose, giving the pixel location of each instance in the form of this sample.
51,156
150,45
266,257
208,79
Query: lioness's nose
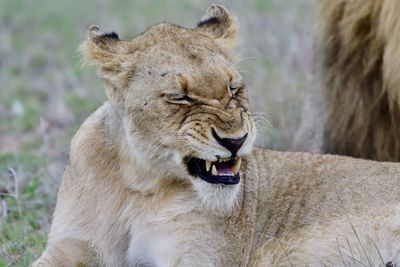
233,145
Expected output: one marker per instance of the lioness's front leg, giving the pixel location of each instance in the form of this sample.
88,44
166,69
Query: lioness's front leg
66,253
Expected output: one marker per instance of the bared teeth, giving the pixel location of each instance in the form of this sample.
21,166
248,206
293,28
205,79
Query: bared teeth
208,165
235,168
214,170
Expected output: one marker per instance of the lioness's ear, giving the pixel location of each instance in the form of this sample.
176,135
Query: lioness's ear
219,24
105,50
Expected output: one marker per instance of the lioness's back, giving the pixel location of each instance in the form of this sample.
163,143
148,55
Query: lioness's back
318,208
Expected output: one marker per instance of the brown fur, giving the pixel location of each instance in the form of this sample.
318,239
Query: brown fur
358,59
127,198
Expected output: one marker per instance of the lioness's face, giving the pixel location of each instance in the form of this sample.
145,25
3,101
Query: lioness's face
184,102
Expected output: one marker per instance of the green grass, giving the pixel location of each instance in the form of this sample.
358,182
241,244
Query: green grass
22,235
45,95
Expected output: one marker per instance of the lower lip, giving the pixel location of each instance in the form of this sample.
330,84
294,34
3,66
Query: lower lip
226,180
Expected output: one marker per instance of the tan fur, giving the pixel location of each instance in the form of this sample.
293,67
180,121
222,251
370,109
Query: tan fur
357,62
126,198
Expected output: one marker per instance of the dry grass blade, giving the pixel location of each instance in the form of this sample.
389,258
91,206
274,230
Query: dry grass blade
15,178
284,251
379,253
3,209
340,252
359,262
350,249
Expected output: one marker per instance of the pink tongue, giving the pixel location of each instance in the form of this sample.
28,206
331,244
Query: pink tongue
223,169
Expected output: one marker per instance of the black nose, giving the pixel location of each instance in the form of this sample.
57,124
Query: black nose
233,145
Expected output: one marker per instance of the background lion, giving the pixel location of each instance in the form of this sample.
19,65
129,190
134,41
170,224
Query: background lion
164,173
354,107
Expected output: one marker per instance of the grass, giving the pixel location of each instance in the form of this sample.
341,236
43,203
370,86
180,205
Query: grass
23,231
45,96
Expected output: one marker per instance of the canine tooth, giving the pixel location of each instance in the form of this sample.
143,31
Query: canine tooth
208,165
235,168
214,171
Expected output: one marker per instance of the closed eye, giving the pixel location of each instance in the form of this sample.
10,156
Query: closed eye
180,99
235,88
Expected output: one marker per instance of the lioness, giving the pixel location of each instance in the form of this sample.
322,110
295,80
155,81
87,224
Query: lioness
163,173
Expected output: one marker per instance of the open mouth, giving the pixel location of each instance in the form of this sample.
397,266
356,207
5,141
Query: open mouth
222,171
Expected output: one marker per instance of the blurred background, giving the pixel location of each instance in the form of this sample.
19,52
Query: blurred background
45,95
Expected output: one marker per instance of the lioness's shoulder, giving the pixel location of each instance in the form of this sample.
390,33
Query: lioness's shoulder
97,138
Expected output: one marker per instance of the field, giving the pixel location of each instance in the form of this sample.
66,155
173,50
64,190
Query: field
45,95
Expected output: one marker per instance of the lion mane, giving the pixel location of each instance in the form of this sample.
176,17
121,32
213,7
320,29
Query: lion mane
357,64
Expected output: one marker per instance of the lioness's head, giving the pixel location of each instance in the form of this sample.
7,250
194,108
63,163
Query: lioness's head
184,103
